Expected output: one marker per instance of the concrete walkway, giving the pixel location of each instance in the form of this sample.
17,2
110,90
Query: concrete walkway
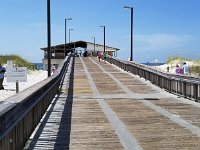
104,108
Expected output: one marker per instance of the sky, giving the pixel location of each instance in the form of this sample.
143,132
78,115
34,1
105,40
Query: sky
161,28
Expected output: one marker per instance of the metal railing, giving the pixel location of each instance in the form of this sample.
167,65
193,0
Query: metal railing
21,113
182,85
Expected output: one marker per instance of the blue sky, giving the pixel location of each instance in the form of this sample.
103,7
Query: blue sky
161,28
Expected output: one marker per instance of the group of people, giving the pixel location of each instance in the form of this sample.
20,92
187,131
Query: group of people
104,56
184,70
2,72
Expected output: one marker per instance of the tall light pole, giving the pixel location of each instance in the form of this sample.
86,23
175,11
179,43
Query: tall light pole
49,36
94,44
66,34
69,34
104,43
131,8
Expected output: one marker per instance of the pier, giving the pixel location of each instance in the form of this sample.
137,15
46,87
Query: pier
105,106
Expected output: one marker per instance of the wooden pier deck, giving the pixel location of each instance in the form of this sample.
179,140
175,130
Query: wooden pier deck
104,108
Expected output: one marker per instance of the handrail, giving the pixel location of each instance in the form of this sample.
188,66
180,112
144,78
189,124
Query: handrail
21,113
183,85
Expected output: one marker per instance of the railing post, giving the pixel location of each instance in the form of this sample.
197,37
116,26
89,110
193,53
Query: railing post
170,85
184,89
195,92
2,123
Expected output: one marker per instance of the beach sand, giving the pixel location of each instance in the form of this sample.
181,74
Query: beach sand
33,77
172,66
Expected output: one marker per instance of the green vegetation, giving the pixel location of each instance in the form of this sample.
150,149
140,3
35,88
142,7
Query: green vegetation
195,70
172,59
197,61
17,61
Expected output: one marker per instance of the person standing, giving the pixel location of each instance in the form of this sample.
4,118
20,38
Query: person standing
99,56
178,69
2,71
186,69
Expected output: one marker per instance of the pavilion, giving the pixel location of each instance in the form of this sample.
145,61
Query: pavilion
58,52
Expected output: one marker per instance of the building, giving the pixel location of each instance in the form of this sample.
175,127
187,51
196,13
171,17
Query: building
58,52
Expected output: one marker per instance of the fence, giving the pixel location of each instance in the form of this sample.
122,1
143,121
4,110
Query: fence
186,86
20,114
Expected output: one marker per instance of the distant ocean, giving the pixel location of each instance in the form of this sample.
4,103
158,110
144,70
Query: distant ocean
38,66
153,64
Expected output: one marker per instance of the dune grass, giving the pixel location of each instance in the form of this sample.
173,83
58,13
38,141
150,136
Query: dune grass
194,69
17,61
172,59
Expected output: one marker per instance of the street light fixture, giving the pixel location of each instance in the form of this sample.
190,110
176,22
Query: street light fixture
131,8
66,34
94,44
104,43
69,34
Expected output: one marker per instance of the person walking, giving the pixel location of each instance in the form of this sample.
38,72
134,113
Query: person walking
2,71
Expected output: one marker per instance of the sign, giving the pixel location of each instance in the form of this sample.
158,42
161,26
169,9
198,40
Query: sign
18,74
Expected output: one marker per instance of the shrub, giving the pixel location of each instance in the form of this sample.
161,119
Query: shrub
195,70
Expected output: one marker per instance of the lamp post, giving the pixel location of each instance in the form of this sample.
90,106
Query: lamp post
49,37
104,43
66,34
94,44
69,34
131,8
